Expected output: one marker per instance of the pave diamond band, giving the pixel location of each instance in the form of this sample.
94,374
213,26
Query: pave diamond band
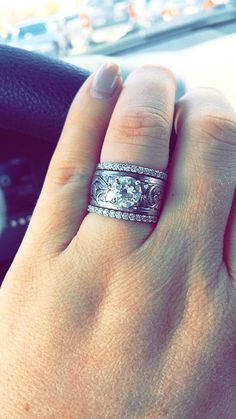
133,168
128,194
122,215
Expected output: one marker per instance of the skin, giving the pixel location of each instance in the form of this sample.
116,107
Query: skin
103,318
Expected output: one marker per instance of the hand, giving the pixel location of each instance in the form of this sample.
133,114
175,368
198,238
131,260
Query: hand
106,318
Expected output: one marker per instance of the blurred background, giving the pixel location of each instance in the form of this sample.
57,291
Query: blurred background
62,28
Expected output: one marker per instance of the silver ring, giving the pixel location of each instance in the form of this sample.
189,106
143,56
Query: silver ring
126,191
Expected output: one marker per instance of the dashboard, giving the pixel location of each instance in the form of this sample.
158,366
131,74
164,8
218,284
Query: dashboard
23,165
200,58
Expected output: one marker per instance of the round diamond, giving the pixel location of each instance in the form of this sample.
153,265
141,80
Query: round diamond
124,191
138,217
132,217
118,214
125,216
112,213
105,212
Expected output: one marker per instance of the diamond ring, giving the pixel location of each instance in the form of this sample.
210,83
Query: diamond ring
126,191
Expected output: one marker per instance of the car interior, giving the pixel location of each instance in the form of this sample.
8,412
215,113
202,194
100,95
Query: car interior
36,92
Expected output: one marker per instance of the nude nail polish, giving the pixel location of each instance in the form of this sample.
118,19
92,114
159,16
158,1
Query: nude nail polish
105,81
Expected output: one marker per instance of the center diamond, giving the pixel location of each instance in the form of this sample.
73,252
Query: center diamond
124,191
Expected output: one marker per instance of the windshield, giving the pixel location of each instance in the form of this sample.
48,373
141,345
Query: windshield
81,26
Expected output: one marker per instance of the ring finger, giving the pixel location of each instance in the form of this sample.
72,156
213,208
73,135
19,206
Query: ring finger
138,133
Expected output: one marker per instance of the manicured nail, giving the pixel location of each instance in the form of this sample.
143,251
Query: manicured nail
105,81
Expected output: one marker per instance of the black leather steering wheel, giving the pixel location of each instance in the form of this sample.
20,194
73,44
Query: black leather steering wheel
36,92
35,95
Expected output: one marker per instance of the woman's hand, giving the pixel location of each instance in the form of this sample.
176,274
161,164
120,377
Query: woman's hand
106,318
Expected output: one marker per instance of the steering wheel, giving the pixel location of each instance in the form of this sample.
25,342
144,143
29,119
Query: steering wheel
35,95
36,92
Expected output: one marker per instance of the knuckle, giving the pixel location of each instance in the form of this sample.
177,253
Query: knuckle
67,172
212,126
141,122
207,110
219,127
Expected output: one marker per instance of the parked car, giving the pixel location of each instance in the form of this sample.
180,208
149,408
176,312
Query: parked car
174,8
43,36
98,15
73,30
216,4
147,12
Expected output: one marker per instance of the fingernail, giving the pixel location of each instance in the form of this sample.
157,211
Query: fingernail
105,81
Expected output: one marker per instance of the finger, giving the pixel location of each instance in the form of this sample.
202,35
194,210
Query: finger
139,132
142,120
64,198
230,243
203,172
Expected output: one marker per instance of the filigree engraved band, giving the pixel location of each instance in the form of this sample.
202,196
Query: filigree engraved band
124,193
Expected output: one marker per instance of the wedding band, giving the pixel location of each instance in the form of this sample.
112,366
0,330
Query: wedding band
126,191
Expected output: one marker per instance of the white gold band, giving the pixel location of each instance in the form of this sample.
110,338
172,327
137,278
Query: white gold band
133,168
127,192
121,215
